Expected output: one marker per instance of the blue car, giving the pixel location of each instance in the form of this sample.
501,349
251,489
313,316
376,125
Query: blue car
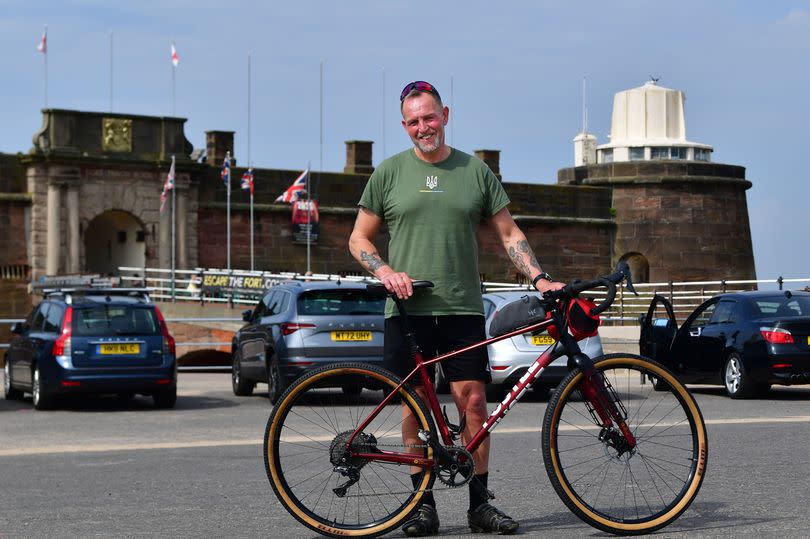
92,341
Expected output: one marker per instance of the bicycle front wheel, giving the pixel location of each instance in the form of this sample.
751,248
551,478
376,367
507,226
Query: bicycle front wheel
621,491
307,463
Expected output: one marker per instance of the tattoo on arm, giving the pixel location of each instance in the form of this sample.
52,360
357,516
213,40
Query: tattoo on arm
519,253
372,260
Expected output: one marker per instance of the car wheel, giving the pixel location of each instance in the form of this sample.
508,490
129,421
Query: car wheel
11,393
165,399
241,387
735,378
440,383
42,400
275,382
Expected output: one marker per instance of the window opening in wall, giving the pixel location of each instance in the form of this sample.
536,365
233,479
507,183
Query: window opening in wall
659,153
607,156
636,154
140,236
701,154
639,267
677,153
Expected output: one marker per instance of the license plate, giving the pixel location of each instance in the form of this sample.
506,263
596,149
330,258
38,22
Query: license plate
351,335
540,340
119,349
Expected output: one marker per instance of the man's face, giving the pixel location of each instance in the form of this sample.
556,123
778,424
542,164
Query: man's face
424,120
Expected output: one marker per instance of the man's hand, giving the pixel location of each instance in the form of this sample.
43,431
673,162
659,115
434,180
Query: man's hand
396,282
544,285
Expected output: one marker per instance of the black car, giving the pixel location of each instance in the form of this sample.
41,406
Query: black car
92,340
745,341
300,325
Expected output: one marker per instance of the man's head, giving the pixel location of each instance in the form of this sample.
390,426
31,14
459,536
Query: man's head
424,118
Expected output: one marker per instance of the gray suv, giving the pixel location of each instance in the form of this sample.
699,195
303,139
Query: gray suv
298,326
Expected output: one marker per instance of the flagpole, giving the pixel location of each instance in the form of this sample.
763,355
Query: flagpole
228,187
309,225
383,114
46,66
320,168
174,232
111,71
174,68
249,165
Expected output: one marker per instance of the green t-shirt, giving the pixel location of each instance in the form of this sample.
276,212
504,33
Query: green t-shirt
433,212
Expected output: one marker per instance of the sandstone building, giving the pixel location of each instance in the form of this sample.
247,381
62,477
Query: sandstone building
85,198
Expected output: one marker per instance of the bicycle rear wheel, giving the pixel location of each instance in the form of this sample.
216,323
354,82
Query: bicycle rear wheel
636,491
304,456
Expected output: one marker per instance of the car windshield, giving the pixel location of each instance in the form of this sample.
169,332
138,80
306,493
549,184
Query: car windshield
107,319
340,302
782,307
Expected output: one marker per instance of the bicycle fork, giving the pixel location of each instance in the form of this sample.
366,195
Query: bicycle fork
605,407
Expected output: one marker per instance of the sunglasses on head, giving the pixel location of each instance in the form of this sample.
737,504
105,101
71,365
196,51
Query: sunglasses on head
420,86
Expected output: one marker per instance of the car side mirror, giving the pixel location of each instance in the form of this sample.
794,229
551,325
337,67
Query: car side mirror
18,328
246,315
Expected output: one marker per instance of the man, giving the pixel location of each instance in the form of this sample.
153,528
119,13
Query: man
433,199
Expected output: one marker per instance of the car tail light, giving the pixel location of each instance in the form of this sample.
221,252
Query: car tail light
289,327
783,365
62,345
776,335
168,340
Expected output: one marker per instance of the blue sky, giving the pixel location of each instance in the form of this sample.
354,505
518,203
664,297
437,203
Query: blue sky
516,66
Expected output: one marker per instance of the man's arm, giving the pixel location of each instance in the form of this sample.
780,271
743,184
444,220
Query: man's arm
518,249
362,249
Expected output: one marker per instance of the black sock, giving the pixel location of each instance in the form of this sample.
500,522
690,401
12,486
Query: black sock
478,490
427,499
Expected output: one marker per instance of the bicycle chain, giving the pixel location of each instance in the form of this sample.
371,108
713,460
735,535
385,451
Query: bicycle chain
410,446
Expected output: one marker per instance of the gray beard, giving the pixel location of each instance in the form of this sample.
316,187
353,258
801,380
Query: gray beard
425,148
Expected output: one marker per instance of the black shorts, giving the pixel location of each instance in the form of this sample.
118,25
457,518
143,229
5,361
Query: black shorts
437,335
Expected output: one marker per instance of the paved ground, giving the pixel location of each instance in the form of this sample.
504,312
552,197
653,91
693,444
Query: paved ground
100,468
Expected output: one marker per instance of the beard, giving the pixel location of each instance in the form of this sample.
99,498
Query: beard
425,147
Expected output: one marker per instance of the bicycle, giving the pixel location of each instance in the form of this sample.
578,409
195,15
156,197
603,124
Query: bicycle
624,457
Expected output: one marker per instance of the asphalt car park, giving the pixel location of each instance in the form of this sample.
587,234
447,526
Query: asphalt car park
745,341
102,467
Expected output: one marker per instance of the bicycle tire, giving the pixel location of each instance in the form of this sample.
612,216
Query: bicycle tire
640,491
306,429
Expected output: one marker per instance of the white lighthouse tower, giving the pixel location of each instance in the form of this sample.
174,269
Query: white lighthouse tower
648,124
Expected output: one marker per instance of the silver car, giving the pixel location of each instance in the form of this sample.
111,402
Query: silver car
298,326
509,359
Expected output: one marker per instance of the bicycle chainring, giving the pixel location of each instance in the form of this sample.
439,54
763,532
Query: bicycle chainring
458,470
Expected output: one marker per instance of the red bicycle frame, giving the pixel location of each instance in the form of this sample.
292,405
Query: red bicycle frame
605,410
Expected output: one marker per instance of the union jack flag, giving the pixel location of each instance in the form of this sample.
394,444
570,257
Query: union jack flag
168,185
226,171
291,194
247,180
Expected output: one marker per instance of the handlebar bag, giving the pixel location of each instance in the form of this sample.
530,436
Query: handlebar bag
522,312
581,323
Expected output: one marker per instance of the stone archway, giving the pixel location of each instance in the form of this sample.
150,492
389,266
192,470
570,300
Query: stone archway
112,239
639,267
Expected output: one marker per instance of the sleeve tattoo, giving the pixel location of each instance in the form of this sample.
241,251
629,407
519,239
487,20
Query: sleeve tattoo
372,260
519,253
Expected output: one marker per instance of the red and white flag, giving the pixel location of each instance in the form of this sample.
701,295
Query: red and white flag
168,185
43,43
175,57
291,194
